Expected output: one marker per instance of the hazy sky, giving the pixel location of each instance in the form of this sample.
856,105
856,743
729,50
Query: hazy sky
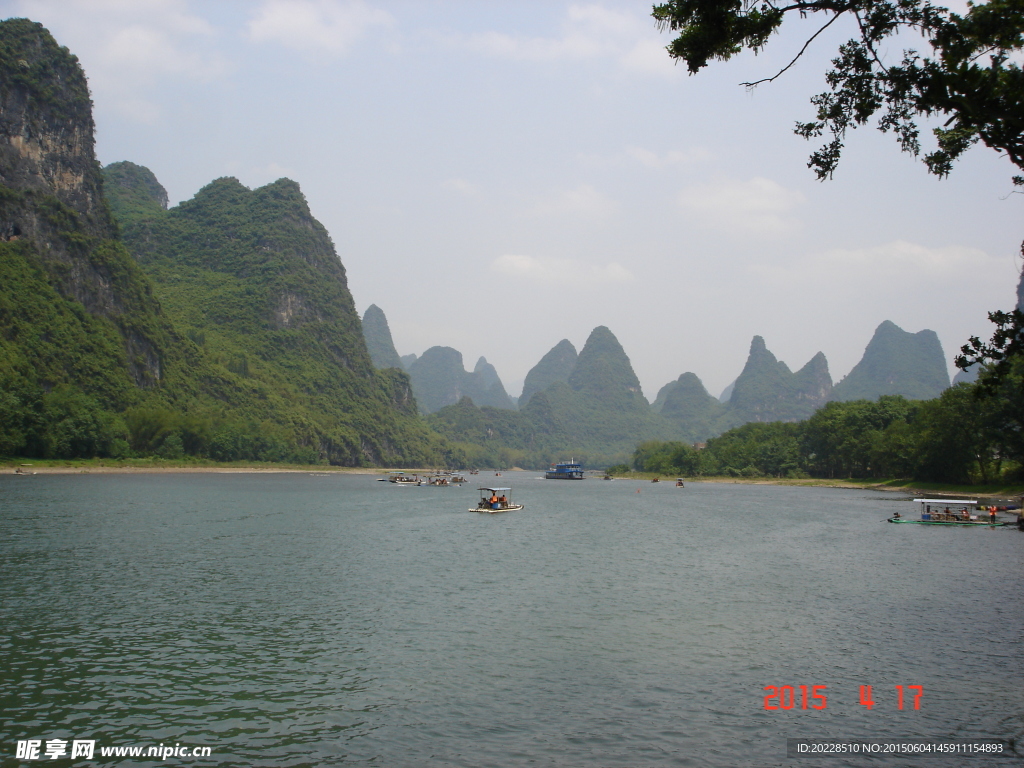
497,176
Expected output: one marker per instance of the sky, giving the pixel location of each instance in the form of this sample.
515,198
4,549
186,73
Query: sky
498,175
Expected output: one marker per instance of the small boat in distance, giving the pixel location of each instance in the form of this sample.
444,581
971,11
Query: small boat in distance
949,512
444,478
565,470
401,478
493,500
680,483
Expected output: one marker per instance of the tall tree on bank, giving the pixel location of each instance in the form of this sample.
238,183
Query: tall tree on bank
970,77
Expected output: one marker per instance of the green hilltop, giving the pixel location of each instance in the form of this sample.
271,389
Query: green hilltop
896,362
556,365
767,390
252,278
379,343
695,415
439,379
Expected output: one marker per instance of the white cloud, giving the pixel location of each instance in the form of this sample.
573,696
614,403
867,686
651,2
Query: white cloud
649,56
559,271
895,264
139,110
588,32
128,45
633,156
671,158
900,256
759,206
315,25
584,200
462,186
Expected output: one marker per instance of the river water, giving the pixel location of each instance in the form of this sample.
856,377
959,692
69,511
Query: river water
315,619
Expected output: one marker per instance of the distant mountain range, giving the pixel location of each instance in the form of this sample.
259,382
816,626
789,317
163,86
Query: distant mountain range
592,401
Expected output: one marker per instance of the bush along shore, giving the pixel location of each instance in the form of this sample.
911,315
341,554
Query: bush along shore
969,437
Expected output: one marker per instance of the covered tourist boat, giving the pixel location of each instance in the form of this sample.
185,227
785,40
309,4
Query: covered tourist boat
444,479
493,500
565,470
403,478
949,512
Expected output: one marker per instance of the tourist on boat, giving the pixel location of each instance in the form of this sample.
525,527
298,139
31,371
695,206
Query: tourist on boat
991,514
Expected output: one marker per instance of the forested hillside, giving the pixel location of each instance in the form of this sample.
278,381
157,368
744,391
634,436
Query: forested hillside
82,337
224,329
251,278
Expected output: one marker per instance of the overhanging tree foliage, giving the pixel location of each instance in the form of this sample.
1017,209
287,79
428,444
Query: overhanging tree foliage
970,76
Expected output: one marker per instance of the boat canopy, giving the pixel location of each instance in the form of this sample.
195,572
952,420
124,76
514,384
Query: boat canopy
946,501
494,489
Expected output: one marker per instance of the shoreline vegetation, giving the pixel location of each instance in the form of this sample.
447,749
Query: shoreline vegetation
163,466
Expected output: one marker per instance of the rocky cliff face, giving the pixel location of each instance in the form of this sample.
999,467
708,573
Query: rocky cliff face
46,128
51,195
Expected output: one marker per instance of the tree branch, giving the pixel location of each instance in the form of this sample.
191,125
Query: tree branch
867,42
795,58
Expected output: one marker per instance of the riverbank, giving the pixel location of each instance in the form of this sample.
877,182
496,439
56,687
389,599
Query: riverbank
164,466
1006,491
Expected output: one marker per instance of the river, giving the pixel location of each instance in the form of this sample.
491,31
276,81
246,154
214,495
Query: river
329,619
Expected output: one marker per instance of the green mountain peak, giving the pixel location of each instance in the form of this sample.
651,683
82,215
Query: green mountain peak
556,365
378,339
603,369
896,362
